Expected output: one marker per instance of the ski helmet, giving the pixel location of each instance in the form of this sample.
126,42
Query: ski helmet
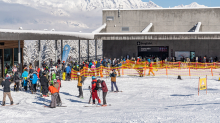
78,73
93,77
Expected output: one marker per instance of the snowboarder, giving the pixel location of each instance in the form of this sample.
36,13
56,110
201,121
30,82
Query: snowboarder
25,81
104,92
44,84
55,97
94,91
113,80
6,91
34,82
80,82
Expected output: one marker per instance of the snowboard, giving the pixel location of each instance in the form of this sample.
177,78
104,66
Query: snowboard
11,105
64,76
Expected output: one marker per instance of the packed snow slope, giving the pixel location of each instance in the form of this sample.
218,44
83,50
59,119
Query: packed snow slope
147,99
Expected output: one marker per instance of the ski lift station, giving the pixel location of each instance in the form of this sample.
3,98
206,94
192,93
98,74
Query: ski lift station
160,32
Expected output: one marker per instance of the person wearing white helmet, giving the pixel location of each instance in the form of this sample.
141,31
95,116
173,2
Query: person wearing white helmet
79,85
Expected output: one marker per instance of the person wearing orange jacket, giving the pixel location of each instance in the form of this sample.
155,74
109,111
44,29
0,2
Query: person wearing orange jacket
94,91
150,69
55,97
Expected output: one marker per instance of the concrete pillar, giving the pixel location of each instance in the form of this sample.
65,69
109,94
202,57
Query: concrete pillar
55,51
79,51
39,54
88,49
19,52
61,51
95,49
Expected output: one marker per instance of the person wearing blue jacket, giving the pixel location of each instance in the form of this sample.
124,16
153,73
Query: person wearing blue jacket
34,83
25,81
90,64
68,72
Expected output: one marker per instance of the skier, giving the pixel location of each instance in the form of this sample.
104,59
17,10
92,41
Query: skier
44,84
6,91
113,80
94,91
55,97
151,69
104,92
25,81
34,83
17,81
80,82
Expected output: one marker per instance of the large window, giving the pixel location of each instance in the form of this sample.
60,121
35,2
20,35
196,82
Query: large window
8,58
16,56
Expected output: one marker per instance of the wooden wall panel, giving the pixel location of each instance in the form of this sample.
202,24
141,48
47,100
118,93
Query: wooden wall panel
11,44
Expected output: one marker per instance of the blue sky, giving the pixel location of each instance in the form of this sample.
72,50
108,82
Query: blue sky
172,3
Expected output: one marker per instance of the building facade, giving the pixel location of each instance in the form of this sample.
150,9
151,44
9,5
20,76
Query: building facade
190,32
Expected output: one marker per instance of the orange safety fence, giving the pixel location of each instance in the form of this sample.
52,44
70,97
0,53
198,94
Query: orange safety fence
133,68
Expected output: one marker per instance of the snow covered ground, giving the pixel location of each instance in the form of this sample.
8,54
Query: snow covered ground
147,99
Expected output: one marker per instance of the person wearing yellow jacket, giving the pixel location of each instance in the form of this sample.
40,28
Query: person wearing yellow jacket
79,85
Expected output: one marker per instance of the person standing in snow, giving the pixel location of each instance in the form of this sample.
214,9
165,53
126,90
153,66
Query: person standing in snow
55,97
113,80
68,72
6,90
79,85
44,84
104,92
151,69
34,83
17,80
25,81
94,90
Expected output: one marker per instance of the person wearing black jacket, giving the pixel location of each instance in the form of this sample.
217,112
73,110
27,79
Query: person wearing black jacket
6,91
44,84
17,80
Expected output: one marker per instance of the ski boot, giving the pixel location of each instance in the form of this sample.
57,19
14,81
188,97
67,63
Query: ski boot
12,102
3,103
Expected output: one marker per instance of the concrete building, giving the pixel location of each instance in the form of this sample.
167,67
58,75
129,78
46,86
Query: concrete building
164,32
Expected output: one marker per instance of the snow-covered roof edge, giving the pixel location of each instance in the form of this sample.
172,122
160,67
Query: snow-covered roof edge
163,8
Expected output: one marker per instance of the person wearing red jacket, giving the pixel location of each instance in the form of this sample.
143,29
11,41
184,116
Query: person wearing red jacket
94,91
104,92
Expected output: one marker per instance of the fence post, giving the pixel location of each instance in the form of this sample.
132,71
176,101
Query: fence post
211,72
166,71
145,68
101,72
189,73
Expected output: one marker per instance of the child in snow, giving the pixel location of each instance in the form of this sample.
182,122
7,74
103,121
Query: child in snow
55,97
104,92
6,91
94,91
